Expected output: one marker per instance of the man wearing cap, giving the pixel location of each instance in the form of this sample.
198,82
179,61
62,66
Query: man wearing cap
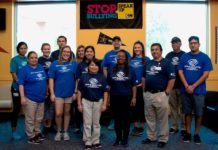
109,60
194,68
159,77
175,101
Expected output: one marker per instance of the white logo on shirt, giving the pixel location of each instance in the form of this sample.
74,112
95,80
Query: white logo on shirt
175,61
120,76
47,64
192,65
153,70
93,83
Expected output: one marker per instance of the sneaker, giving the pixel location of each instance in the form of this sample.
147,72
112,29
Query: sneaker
97,146
173,131
58,136
187,138
77,131
88,147
183,132
66,136
197,139
117,142
147,141
124,143
111,125
15,136
40,137
34,140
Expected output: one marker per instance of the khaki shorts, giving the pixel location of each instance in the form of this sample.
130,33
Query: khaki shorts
63,100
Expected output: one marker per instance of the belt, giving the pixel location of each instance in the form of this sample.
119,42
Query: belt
154,91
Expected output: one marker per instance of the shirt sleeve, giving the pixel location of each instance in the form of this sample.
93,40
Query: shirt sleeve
181,63
13,66
170,70
105,61
78,71
133,79
21,76
80,84
207,64
51,72
109,78
104,83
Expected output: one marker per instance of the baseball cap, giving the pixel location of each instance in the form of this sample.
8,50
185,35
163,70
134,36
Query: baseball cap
175,40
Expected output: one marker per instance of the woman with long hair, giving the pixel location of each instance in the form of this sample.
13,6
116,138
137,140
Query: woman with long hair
62,79
137,63
122,83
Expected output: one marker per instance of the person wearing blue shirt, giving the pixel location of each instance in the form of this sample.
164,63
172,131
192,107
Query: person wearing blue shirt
61,41
16,64
122,83
137,62
32,88
92,100
46,62
194,68
109,61
159,79
62,79
175,100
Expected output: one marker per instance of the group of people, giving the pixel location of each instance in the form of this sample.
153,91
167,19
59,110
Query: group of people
50,84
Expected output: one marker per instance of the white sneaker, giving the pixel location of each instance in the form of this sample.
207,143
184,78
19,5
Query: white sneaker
58,136
66,136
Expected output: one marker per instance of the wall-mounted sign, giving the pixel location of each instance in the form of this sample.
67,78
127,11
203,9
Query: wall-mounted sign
110,14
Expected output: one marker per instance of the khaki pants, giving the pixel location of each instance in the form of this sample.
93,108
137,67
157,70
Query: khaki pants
156,113
91,121
34,113
175,103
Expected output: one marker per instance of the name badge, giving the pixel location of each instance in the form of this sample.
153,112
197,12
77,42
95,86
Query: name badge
158,68
15,94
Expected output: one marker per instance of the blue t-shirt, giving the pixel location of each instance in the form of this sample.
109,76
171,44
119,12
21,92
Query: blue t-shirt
81,69
64,76
16,64
138,66
46,63
110,59
120,83
34,82
158,73
174,58
193,67
92,86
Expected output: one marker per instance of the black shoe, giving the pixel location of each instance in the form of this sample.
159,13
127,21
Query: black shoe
147,141
187,138
183,132
124,143
34,140
197,139
40,137
88,147
117,142
97,146
161,144
173,131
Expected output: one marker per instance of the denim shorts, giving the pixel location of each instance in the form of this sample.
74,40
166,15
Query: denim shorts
193,103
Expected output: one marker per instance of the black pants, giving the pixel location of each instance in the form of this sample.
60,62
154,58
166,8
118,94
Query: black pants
77,115
120,106
16,107
138,113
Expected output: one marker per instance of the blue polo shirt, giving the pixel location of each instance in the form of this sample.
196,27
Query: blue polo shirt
92,86
174,58
16,64
138,66
120,83
110,59
158,73
193,67
34,82
64,76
